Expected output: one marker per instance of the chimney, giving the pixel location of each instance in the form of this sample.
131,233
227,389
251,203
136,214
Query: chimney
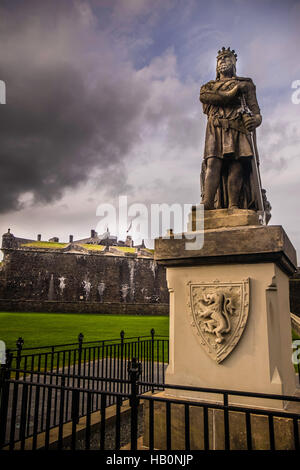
129,241
8,240
70,238
54,240
39,237
92,233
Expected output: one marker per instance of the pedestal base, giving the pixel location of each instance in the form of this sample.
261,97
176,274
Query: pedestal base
260,361
258,327
284,438
219,218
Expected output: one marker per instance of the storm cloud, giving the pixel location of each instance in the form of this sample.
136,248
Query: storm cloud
72,107
102,100
76,105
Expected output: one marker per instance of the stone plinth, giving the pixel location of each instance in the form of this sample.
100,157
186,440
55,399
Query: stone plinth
260,440
222,218
247,267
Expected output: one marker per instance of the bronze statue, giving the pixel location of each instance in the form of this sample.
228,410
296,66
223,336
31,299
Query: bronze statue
230,169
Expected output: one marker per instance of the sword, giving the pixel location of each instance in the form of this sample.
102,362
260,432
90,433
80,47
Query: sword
244,109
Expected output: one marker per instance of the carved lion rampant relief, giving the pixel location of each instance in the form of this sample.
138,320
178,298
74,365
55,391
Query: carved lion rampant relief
219,313
215,312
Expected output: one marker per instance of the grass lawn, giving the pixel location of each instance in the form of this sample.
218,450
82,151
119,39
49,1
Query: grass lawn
294,335
43,329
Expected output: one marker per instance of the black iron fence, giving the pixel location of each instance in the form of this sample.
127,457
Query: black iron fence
31,407
197,420
96,358
256,426
40,381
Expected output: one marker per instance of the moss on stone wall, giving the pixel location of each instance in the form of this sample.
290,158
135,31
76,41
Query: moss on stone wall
50,245
93,247
44,275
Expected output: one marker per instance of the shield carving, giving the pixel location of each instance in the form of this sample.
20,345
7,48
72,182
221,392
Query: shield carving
219,312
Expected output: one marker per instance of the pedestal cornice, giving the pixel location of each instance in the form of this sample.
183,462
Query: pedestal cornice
244,244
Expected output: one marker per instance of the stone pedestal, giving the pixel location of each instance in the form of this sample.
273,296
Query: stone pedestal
240,277
260,440
230,329
222,218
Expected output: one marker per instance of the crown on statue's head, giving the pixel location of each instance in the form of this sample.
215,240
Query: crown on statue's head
224,51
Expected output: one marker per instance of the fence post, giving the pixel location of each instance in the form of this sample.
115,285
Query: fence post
61,413
80,341
4,395
226,422
152,357
74,416
122,334
134,371
19,344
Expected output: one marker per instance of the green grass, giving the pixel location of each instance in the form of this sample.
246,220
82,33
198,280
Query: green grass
51,245
46,329
125,249
91,247
43,329
295,335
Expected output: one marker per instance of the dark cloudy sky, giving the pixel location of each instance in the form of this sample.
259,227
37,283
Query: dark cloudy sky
102,101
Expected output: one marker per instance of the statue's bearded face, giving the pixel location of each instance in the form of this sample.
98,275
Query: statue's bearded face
225,64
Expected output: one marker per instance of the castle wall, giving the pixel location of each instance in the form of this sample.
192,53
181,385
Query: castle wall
295,293
50,281
36,280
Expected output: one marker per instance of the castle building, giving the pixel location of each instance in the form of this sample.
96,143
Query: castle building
98,274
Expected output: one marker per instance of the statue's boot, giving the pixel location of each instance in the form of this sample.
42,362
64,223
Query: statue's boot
209,198
208,206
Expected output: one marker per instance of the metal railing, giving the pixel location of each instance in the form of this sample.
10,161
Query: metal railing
70,399
94,359
42,373
69,356
227,406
